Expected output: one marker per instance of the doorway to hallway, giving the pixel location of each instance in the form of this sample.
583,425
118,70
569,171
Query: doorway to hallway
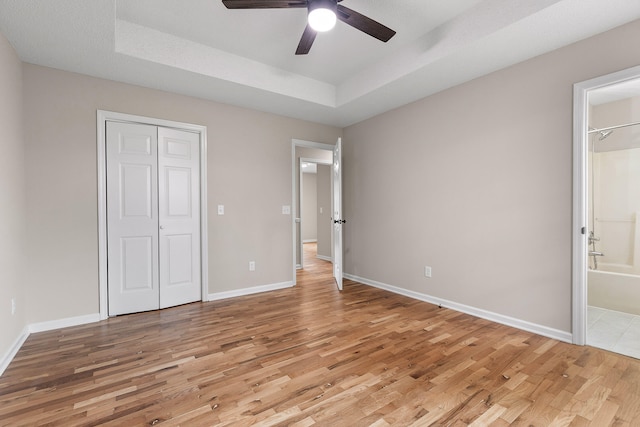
314,264
328,212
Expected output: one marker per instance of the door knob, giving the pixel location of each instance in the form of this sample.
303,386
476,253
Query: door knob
162,227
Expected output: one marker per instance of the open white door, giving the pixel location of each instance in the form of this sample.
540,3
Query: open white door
337,213
179,216
132,211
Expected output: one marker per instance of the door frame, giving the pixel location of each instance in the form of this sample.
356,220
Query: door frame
294,209
581,92
102,117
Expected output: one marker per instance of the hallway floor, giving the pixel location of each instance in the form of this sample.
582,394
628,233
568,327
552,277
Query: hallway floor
614,331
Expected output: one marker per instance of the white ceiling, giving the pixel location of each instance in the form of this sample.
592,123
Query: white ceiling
246,57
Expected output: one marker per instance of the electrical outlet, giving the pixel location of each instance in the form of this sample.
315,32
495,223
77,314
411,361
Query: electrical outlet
13,306
220,209
252,266
427,271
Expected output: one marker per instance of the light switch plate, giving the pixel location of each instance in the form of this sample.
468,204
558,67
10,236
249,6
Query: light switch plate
220,209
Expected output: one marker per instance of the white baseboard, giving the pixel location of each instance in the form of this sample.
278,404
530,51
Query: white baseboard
13,350
64,323
248,291
310,241
478,312
42,327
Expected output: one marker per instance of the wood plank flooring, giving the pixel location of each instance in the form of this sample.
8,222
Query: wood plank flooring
311,355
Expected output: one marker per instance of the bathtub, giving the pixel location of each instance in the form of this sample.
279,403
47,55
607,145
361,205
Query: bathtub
614,291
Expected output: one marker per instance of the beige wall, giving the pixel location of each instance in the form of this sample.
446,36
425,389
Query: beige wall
309,207
476,182
324,218
249,171
12,200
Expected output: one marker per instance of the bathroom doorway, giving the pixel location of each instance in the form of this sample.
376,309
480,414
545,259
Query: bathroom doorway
607,213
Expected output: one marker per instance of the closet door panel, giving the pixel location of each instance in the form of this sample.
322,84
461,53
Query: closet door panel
179,213
132,218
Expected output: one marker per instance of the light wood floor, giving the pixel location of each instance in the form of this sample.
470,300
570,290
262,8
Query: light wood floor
310,355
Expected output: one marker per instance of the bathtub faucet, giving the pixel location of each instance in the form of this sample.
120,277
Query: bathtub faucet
594,253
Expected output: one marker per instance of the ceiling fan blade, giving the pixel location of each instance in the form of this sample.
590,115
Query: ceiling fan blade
308,36
263,4
364,24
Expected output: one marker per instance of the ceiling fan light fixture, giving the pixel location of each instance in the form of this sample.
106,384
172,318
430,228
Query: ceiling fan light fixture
322,14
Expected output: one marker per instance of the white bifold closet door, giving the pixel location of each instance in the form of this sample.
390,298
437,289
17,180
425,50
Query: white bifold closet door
153,217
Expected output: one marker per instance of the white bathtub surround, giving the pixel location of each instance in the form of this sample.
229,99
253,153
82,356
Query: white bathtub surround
616,209
614,331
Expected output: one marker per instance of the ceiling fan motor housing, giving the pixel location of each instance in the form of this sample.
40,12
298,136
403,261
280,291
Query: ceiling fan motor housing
324,4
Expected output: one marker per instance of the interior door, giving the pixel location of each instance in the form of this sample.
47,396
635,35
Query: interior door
132,215
179,216
337,213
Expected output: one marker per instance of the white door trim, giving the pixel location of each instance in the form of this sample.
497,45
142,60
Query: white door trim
580,186
104,116
294,212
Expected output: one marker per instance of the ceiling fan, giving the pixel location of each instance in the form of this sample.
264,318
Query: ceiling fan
322,15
